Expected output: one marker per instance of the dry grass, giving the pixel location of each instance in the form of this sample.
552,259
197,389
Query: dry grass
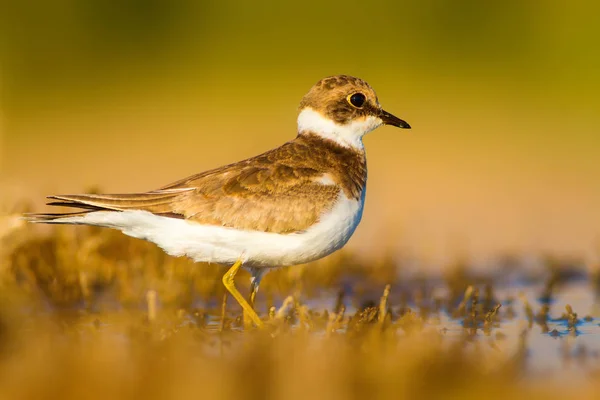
88,313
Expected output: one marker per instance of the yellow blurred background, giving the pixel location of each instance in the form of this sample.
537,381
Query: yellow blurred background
503,98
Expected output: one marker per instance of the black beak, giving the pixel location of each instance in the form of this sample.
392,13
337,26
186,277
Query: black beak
390,119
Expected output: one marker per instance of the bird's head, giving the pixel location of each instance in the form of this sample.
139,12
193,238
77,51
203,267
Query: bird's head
343,108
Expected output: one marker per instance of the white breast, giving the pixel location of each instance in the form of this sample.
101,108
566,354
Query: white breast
206,243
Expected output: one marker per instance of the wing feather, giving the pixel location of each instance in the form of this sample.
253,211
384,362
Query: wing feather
273,192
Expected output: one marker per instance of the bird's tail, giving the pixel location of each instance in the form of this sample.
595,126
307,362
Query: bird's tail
54,218
158,202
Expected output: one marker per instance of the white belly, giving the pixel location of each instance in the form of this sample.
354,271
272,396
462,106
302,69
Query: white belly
205,243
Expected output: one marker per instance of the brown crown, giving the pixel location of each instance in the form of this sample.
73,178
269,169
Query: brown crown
330,96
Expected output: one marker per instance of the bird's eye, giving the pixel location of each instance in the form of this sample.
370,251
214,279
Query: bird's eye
357,99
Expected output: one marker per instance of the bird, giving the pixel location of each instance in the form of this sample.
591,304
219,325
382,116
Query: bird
296,203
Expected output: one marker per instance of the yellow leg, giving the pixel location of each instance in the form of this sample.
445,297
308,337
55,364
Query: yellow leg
228,281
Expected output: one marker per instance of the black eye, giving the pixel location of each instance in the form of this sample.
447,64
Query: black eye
357,99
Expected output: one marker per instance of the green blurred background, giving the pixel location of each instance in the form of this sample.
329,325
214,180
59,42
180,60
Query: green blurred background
128,95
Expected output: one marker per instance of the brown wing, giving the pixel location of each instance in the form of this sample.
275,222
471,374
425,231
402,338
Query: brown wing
273,192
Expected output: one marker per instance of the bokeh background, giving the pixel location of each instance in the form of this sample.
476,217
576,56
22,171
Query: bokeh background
129,95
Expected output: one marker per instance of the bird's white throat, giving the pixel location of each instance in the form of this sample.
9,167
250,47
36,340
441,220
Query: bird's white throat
347,135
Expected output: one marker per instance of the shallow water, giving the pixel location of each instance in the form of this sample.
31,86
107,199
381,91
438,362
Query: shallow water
561,353
553,350
551,347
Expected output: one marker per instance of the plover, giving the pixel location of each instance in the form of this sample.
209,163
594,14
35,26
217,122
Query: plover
296,203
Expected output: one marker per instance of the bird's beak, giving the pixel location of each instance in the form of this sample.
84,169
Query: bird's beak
390,119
